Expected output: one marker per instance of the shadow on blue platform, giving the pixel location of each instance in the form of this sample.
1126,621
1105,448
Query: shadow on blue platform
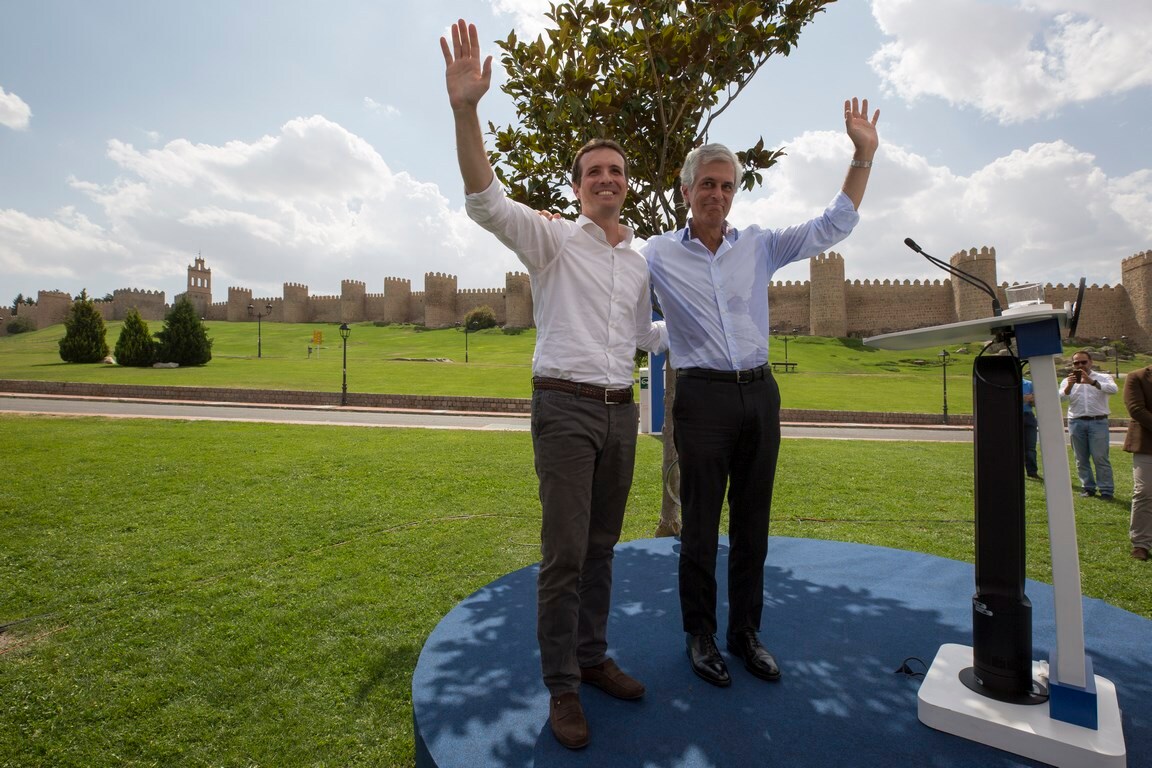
840,617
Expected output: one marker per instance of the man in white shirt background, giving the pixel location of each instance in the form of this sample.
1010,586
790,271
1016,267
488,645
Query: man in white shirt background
1087,390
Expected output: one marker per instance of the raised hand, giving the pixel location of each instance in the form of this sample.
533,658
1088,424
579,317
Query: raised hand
861,130
466,77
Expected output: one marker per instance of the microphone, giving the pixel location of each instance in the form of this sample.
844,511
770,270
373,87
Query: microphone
956,272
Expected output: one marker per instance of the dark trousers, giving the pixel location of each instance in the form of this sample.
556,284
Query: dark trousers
1030,443
585,452
727,436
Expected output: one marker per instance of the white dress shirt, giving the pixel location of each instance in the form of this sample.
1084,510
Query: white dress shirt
716,305
1087,400
591,301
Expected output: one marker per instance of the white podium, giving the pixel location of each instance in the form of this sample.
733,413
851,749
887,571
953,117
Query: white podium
973,692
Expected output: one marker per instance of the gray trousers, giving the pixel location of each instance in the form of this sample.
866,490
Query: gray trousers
1140,527
585,452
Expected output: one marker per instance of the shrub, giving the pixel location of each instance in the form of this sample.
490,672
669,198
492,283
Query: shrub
20,325
184,339
135,347
84,331
480,318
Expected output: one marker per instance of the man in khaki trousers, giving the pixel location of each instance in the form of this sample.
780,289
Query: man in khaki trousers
1138,442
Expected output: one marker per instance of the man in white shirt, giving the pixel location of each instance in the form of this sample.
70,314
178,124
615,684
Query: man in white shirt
1086,390
592,309
712,283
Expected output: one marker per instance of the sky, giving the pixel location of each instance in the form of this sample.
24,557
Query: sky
304,142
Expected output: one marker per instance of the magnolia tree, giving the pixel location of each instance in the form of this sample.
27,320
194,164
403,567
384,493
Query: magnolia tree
653,76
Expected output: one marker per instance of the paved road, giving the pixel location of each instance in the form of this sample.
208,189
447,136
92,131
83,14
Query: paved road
375,417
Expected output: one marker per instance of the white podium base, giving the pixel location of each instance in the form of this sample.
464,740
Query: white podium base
946,704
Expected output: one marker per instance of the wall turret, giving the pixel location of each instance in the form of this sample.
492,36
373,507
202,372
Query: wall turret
439,300
352,297
1137,279
828,313
295,307
518,300
972,303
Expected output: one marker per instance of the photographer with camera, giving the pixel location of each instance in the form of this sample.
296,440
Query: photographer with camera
1087,392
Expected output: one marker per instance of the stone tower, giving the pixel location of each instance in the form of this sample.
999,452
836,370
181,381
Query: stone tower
1136,276
971,302
295,303
199,286
238,301
518,300
439,300
397,295
828,311
352,294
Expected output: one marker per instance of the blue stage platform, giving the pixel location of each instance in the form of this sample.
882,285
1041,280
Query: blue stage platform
840,617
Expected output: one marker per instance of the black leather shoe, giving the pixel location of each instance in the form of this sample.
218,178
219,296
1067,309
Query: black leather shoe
706,660
757,660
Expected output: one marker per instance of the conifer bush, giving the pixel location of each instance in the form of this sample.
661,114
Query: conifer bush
84,331
135,347
184,339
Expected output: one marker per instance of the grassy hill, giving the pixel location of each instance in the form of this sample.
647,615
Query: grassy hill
832,373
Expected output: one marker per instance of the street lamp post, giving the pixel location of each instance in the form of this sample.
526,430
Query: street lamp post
252,311
345,331
469,325
944,367
786,338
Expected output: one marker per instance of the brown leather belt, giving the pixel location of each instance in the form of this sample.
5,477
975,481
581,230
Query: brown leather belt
604,395
737,377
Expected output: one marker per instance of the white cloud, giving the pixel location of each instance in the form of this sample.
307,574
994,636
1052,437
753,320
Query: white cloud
1017,60
377,108
14,113
315,204
528,15
1049,211
312,204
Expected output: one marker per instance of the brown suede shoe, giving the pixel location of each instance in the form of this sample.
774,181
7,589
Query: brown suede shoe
1139,553
611,679
567,719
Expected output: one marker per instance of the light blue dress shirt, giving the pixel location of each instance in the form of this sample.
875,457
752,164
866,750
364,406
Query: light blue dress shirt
716,305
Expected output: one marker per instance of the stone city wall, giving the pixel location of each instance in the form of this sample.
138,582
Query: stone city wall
824,305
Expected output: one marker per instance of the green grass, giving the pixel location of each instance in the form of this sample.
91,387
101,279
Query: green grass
833,374
194,593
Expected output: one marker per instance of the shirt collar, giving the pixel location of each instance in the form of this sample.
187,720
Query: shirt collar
594,229
730,232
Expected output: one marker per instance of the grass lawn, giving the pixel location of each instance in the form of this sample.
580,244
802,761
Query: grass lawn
216,594
832,374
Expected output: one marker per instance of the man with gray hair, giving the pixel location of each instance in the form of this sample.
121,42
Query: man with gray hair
712,282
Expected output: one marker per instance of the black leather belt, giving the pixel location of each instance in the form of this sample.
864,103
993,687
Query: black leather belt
1088,418
737,377
603,394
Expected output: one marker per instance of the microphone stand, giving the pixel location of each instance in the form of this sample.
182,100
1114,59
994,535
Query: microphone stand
970,279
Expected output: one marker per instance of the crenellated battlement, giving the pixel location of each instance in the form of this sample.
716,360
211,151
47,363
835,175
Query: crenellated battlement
972,255
135,292
1143,258
828,258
